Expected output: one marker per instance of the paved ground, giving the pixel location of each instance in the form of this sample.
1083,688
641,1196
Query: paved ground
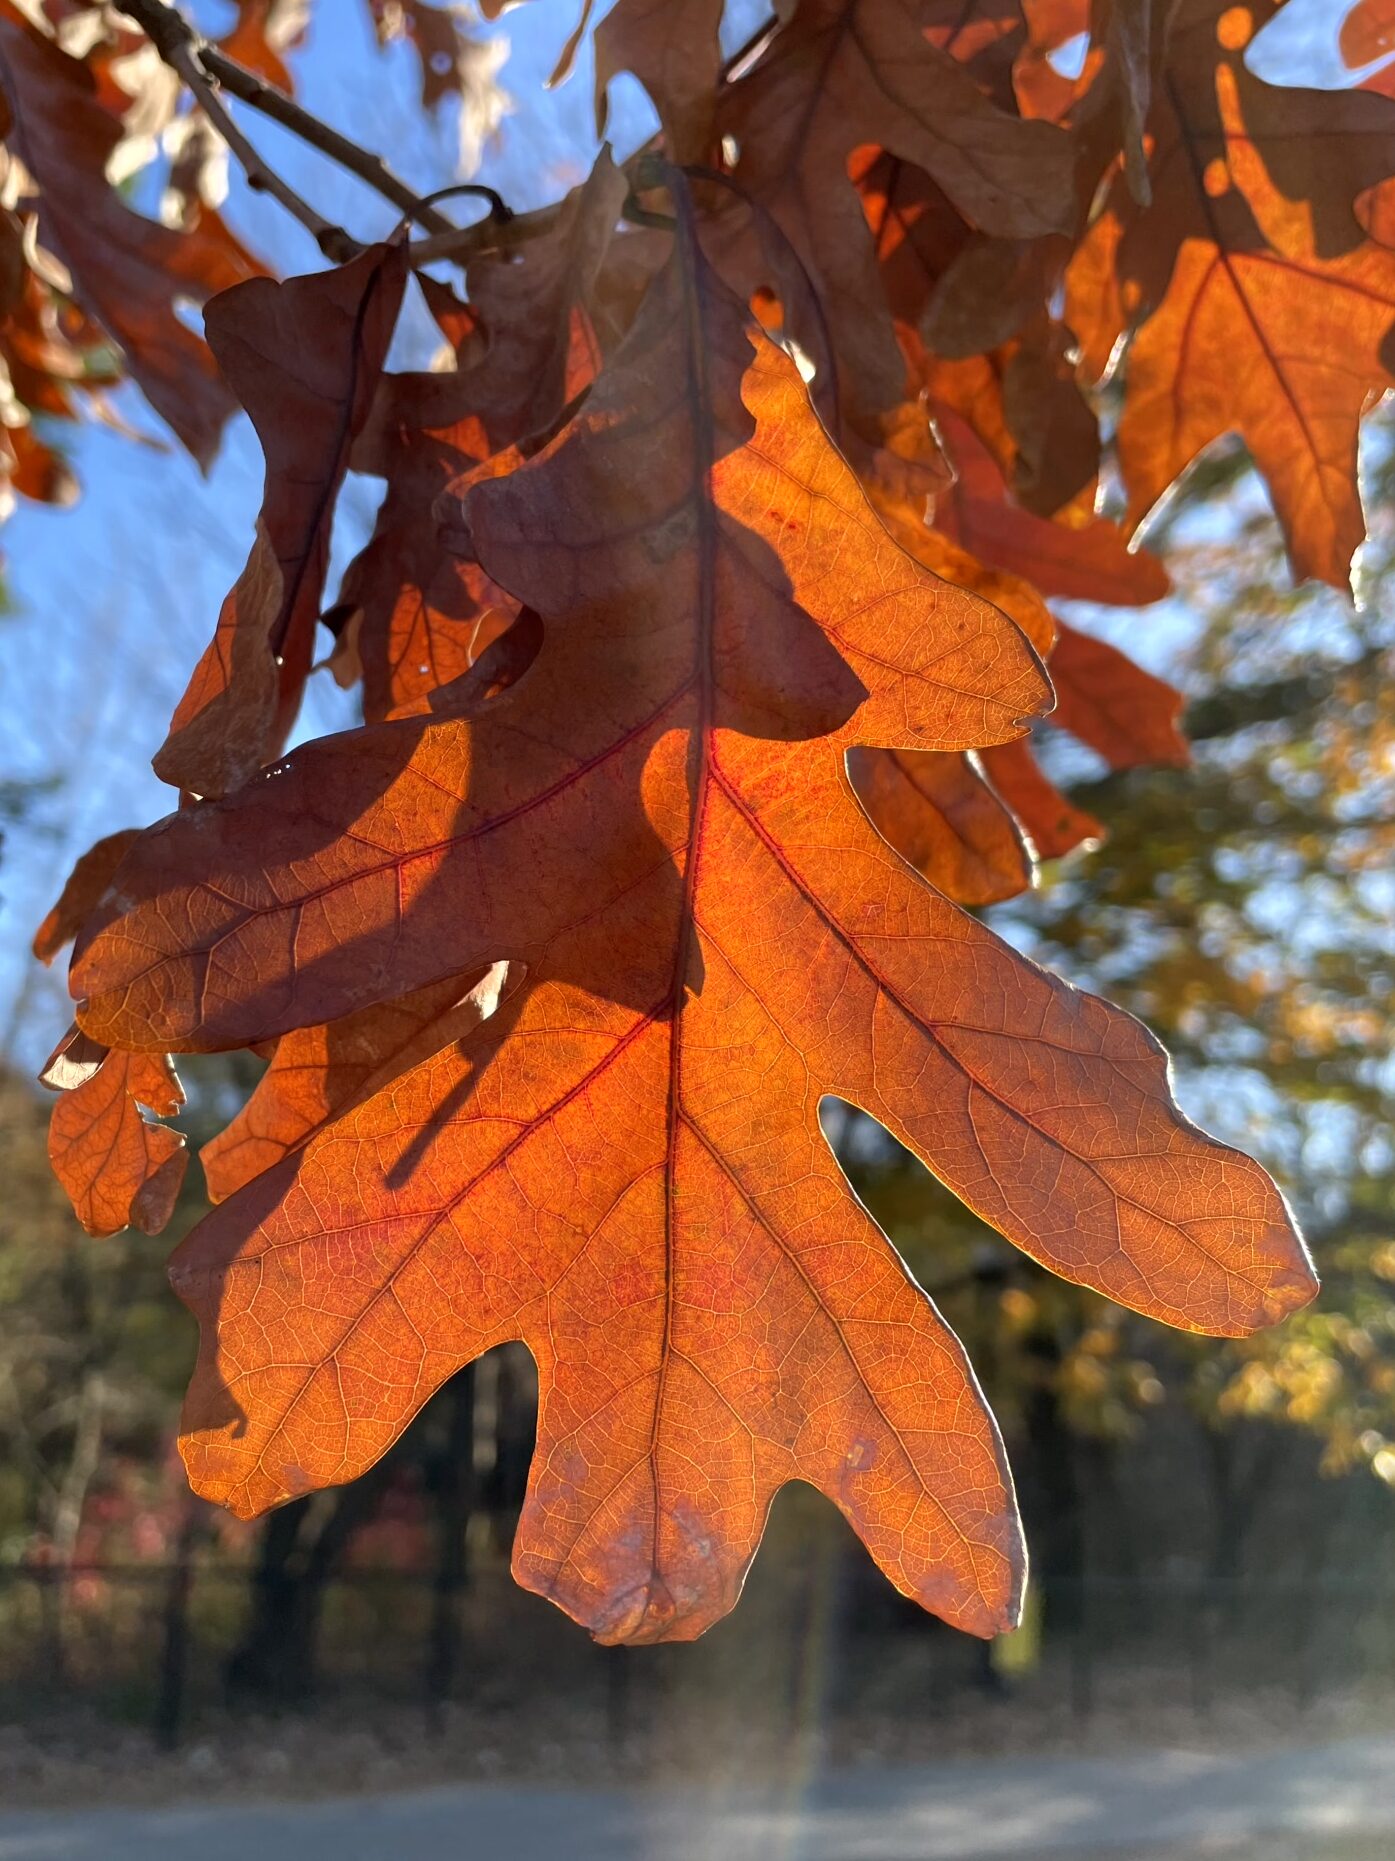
1159,1804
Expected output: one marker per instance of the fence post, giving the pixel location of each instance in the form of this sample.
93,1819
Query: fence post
1205,1628
454,1494
619,1672
174,1647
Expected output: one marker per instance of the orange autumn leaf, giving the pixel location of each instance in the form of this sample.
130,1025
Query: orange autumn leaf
945,820
540,316
1257,306
1367,33
1089,562
120,1168
263,32
944,814
1051,821
1124,713
319,1070
935,808
985,36
305,357
82,892
623,1164
528,345
974,329
845,74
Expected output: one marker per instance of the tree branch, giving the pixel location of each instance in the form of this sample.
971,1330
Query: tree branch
205,70
337,245
257,94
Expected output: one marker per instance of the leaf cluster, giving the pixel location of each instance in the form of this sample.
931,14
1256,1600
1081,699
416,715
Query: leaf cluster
705,647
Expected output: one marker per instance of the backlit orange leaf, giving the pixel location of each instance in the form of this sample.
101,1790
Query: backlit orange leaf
120,1168
1116,707
305,357
82,892
1091,562
974,328
623,1164
1368,33
1052,823
540,316
945,820
1258,307
529,347
845,74
263,32
319,1070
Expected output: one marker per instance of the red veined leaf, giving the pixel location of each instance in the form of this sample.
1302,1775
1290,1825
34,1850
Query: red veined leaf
623,1165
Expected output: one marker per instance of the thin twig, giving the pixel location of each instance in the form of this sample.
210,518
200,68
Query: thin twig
488,235
204,68
498,206
337,245
197,62
257,94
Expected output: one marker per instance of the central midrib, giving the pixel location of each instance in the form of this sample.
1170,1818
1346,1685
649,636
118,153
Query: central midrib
689,260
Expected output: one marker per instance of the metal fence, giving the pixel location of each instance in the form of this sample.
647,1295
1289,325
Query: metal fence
161,1643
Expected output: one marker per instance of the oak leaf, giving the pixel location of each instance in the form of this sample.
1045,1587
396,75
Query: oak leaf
1257,306
262,34
623,1163
82,892
1052,822
1088,562
936,808
845,74
975,332
526,345
1368,33
946,820
120,1168
304,356
676,54
317,1071
1122,712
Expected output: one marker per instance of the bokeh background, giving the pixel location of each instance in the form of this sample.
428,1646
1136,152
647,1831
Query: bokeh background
1211,1522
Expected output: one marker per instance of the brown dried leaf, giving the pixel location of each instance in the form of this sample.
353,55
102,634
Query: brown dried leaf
845,74
305,357
676,55
120,1169
82,892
